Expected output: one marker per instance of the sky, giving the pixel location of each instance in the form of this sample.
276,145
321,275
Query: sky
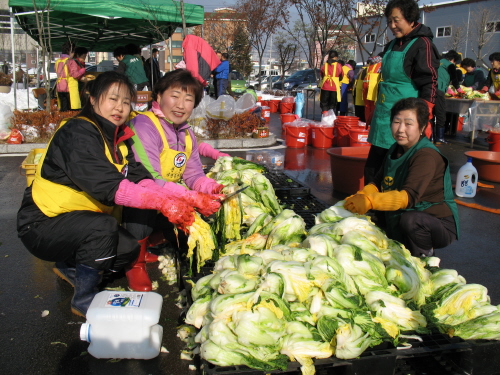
210,5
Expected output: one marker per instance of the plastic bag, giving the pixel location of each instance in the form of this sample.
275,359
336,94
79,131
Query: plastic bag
5,117
245,103
222,108
329,117
198,117
299,104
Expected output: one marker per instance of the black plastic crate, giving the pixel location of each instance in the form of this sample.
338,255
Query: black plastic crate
285,185
436,355
305,204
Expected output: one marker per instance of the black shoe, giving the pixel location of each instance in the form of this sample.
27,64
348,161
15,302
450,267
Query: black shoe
86,287
440,137
65,271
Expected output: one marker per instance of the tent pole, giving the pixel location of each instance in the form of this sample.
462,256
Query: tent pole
13,56
151,67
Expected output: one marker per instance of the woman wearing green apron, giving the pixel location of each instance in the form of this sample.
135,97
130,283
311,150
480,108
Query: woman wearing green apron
413,187
409,69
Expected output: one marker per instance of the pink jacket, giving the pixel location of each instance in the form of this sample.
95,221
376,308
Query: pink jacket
74,71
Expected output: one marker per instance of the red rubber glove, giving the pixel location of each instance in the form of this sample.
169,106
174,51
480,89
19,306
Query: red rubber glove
206,204
428,129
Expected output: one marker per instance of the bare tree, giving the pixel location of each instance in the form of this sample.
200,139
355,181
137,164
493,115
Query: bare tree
319,20
286,53
457,39
366,20
265,18
480,33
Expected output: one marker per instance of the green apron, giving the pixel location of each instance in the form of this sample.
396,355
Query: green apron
395,85
443,75
395,173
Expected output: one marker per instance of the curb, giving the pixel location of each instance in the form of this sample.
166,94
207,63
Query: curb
216,143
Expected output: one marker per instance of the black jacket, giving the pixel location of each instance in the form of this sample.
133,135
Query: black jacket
76,158
421,61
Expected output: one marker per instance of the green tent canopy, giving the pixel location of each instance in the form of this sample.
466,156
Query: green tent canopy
102,25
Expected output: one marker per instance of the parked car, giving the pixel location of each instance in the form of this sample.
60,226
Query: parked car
266,83
307,76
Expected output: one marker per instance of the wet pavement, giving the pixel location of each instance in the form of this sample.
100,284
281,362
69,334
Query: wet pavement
31,344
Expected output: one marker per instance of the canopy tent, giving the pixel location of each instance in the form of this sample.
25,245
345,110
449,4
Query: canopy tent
102,25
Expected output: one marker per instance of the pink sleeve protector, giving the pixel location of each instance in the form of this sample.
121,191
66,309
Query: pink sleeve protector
176,210
207,185
206,150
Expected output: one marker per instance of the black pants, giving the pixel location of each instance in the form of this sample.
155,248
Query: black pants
374,162
328,100
422,232
359,111
141,223
84,237
64,100
440,110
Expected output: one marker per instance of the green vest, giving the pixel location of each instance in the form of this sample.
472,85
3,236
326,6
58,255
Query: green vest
395,85
395,173
443,75
135,70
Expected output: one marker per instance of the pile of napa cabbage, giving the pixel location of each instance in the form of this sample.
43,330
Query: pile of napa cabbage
344,288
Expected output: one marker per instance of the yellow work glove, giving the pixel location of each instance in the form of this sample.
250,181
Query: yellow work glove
367,189
358,203
389,201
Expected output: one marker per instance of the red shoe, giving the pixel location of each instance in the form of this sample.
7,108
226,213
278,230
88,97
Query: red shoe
136,273
154,239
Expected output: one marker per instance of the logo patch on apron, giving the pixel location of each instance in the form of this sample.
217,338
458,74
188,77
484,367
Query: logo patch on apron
388,180
180,159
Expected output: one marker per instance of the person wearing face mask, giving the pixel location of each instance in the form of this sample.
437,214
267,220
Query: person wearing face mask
413,188
409,69
71,213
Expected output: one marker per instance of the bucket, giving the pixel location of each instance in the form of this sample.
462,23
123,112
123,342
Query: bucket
287,117
347,165
266,113
494,141
341,133
295,159
264,103
286,107
124,325
322,136
296,136
487,164
358,137
274,105
460,123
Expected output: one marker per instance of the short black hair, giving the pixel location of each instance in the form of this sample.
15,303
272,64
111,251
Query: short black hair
414,104
155,50
67,47
225,55
119,51
451,55
495,56
333,54
468,62
79,51
409,9
352,63
133,49
179,78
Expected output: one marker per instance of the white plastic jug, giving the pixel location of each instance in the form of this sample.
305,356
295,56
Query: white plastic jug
466,185
124,325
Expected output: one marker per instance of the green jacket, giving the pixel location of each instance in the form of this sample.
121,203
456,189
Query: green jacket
134,69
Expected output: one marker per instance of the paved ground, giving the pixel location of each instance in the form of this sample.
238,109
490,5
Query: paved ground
30,344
